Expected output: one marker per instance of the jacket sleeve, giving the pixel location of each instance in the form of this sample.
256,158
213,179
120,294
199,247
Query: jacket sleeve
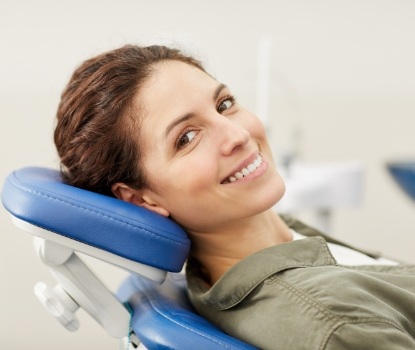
369,336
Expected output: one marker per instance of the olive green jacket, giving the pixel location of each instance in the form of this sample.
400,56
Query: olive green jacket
295,296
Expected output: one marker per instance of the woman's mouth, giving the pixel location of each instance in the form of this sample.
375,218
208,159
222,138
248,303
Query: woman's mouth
249,169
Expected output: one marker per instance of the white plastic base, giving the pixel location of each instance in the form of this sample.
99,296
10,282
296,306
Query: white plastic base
150,272
78,287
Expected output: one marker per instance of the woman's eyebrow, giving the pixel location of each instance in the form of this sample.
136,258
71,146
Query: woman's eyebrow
218,91
178,121
188,116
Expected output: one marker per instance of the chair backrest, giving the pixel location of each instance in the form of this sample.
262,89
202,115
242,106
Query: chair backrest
166,308
69,219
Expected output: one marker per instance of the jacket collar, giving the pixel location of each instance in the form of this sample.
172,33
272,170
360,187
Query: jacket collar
243,277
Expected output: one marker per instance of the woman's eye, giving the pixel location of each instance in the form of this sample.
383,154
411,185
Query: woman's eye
226,104
186,138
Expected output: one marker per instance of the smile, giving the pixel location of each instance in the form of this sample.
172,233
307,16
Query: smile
249,169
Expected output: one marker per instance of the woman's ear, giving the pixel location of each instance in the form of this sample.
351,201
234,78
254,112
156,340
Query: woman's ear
137,197
125,192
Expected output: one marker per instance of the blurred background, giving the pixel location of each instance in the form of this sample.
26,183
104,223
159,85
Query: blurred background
334,79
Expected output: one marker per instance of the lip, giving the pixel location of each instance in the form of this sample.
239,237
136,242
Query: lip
242,165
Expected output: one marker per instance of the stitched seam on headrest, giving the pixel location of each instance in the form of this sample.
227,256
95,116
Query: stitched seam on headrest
104,215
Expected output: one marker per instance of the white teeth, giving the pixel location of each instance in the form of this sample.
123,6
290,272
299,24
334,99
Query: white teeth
247,170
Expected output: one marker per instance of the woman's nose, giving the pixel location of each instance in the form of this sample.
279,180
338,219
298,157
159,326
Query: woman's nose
232,136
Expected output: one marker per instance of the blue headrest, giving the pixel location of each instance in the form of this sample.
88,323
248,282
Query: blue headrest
38,196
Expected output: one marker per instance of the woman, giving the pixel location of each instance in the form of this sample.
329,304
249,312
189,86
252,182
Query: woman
149,126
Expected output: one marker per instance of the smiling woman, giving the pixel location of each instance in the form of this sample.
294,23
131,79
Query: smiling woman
194,137
149,126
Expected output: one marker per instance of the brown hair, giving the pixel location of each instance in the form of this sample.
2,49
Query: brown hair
96,118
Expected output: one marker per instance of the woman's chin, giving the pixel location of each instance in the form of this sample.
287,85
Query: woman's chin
271,197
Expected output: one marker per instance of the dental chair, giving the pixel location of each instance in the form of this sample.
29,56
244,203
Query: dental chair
151,309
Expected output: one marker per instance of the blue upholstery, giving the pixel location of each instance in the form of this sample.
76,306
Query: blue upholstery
164,319
38,196
162,316
404,174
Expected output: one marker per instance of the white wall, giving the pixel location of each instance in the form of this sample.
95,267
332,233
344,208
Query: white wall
341,69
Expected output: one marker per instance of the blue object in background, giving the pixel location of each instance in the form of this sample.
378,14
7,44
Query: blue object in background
404,174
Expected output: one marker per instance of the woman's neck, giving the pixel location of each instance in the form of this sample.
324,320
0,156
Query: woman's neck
219,251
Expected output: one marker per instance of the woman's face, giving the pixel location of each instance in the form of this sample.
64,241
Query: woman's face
206,158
